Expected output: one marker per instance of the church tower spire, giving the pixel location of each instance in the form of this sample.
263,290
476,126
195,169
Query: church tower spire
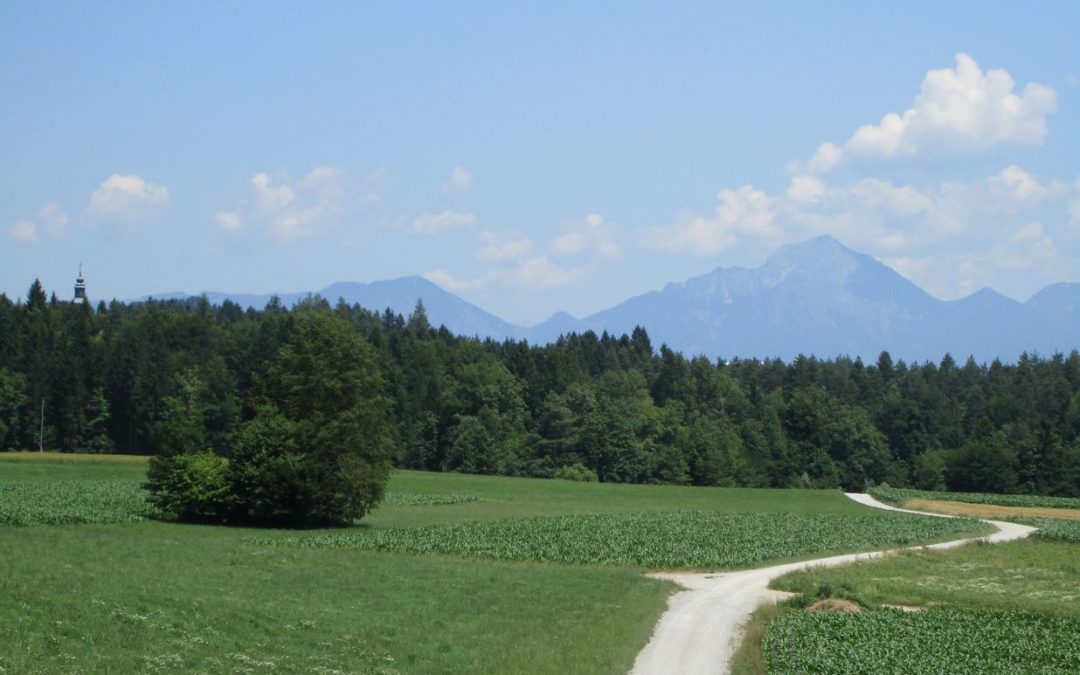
80,287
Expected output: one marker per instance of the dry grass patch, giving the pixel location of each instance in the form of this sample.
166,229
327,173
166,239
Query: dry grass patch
835,605
990,510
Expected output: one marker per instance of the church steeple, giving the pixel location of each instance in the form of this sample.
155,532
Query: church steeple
80,287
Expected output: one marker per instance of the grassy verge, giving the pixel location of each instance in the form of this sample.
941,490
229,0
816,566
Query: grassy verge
1028,575
749,658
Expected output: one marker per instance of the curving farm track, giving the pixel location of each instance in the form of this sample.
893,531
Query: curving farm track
701,628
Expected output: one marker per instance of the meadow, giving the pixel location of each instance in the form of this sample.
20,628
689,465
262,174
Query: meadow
94,585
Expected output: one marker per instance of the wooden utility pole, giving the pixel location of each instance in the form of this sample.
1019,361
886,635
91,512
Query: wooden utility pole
41,429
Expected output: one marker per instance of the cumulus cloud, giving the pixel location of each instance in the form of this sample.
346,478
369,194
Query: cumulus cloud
49,219
460,180
300,210
23,231
503,248
951,237
455,284
805,189
434,223
954,273
291,210
961,109
367,192
538,272
127,198
825,158
592,235
270,196
516,264
1074,204
230,221
1018,184
889,199
746,212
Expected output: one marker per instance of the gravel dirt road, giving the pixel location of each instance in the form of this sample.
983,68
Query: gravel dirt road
701,628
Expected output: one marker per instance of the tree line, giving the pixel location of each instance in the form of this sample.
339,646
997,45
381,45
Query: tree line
149,377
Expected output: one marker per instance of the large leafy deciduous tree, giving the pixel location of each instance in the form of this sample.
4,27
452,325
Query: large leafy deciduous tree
317,451
326,384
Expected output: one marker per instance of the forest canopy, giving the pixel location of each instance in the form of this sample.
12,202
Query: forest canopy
158,377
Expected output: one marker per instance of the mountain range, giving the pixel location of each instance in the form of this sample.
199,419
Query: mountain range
816,297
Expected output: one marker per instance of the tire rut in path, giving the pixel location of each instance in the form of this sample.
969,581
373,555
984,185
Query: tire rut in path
700,630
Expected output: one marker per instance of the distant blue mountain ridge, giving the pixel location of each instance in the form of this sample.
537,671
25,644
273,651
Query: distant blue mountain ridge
816,298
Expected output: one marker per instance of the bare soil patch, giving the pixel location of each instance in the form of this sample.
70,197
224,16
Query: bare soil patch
990,510
835,605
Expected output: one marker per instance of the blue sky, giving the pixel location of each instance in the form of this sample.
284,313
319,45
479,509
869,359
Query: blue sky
533,157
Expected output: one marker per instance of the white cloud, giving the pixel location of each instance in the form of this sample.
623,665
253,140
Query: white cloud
368,190
434,223
825,158
538,272
503,249
53,219
270,196
1028,248
49,218
292,210
230,221
570,243
127,199
884,197
457,284
1018,184
592,234
1074,204
460,180
954,272
746,212
589,241
960,109
805,189
950,237
24,232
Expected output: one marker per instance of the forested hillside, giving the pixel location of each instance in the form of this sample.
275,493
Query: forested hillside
120,378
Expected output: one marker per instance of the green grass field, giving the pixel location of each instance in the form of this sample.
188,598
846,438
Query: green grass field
959,642
1003,608
105,590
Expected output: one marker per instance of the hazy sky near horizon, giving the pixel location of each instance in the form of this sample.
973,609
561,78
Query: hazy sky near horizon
533,157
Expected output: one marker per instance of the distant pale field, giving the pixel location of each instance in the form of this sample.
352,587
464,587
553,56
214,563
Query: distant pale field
901,495
995,511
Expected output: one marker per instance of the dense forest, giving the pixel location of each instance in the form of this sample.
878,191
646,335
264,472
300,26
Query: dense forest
117,377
